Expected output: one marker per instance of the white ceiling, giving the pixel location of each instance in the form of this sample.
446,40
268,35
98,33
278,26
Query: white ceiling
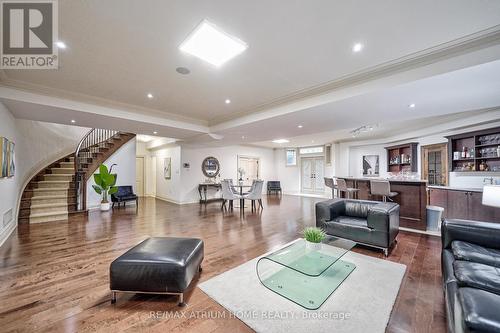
120,50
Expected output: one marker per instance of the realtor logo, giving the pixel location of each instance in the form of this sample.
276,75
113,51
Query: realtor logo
29,31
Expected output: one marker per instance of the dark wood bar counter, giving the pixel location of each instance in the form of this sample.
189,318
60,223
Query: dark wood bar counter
412,198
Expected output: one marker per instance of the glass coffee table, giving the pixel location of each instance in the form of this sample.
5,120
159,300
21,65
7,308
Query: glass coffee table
306,276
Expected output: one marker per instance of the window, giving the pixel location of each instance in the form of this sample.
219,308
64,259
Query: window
328,155
291,157
311,150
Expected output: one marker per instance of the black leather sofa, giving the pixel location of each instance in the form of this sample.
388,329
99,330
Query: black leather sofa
370,223
124,194
471,275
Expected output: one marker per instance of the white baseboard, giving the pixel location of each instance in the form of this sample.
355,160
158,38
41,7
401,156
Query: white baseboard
7,232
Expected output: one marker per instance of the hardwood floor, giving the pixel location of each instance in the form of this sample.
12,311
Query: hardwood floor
54,276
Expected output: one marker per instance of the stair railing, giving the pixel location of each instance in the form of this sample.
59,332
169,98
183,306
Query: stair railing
87,149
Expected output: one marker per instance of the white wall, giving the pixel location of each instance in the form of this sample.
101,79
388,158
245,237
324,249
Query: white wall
37,144
169,189
9,187
228,159
124,158
289,176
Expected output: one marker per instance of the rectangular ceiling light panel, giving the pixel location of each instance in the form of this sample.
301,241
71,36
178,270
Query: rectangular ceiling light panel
212,45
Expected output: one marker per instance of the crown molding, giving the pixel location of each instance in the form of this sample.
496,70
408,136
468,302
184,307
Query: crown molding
473,42
83,98
467,44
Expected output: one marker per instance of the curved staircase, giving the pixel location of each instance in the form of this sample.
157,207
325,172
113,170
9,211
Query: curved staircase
55,192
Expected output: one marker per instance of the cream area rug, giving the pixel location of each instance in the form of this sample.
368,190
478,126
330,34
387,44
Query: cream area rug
362,303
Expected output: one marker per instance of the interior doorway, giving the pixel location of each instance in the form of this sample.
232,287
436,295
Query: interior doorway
250,165
139,176
312,174
435,164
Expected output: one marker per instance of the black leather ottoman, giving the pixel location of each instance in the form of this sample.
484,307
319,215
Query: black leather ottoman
158,265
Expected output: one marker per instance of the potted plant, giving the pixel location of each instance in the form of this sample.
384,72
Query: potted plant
314,236
241,172
104,185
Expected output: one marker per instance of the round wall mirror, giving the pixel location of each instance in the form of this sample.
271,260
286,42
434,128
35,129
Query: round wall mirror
210,167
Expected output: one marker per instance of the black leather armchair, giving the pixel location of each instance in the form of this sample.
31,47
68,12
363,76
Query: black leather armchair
366,222
124,194
470,263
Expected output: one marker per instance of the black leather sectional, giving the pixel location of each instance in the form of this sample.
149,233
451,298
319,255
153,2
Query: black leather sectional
471,275
370,223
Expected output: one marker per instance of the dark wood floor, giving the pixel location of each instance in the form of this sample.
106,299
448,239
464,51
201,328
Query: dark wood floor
54,276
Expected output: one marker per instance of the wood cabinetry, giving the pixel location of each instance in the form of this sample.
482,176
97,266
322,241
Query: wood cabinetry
475,151
439,197
463,204
402,158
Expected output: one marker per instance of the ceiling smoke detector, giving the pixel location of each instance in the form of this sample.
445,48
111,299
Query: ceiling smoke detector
183,70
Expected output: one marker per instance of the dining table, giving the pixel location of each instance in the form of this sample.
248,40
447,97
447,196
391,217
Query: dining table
242,201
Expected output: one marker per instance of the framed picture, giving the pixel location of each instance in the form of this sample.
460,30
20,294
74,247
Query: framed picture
167,167
370,165
4,157
11,168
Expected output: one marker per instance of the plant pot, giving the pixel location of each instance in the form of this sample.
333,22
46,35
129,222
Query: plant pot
313,246
105,206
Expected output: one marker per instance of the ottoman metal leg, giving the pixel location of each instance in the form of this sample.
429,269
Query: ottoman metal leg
181,300
113,297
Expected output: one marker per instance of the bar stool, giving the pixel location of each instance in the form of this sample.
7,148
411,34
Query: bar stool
383,188
342,187
330,183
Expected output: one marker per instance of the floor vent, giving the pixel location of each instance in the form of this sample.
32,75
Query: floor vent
7,217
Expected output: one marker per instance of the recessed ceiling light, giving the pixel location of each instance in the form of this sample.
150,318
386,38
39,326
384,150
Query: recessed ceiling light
280,141
312,141
61,45
227,101
411,106
212,45
155,132
150,95
300,126
243,137
183,70
73,121
357,47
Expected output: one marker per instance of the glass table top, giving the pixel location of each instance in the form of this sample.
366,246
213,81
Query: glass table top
304,275
298,257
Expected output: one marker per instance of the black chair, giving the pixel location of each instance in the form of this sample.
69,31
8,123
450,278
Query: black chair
124,194
274,186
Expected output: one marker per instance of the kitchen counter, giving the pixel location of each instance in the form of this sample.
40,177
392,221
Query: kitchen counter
412,198
392,180
456,188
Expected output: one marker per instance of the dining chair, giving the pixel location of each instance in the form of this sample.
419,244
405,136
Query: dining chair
342,187
256,193
231,186
228,195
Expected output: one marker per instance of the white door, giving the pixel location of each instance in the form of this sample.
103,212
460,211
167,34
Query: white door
251,167
312,173
307,174
139,176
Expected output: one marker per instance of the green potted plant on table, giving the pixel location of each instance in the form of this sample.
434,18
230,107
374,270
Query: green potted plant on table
105,185
314,236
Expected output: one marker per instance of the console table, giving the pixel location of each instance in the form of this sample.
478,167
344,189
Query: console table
202,190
